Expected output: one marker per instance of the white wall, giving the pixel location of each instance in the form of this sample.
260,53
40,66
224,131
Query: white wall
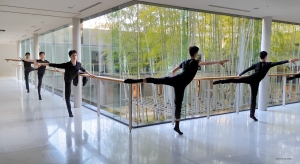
7,51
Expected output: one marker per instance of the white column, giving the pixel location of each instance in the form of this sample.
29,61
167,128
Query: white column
77,46
35,55
263,96
19,69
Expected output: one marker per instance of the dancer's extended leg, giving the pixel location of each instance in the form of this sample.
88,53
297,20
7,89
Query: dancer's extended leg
246,80
293,77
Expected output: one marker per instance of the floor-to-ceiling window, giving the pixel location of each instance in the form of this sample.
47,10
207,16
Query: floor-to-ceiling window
285,41
141,40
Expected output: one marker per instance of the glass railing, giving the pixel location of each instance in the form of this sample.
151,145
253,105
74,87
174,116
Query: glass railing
139,105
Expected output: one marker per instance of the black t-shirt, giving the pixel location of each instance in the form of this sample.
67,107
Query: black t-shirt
27,66
189,70
70,70
41,69
262,68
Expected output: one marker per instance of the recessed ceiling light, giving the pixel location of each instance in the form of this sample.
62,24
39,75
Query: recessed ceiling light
70,7
255,8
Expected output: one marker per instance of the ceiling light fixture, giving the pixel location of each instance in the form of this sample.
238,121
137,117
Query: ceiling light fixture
228,8
70,7
255,8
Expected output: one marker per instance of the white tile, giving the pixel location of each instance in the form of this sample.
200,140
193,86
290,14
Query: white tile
34,131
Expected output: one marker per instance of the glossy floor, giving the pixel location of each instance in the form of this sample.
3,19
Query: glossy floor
33,131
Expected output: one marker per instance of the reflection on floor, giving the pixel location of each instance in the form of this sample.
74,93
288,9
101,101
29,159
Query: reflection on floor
33,131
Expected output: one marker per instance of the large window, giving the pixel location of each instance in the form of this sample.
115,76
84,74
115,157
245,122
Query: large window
142,40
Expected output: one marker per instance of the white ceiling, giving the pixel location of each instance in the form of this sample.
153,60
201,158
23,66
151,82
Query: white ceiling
20,18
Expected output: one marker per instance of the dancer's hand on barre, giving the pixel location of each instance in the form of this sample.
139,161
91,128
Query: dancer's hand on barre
298,72
56,70
238,76
293,60
7,60
222,62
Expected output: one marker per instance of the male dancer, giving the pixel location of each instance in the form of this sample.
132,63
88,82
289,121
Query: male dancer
261,69
27,68
180,81
41,70
71,70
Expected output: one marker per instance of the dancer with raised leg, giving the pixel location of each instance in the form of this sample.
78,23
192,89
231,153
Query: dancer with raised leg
41,70
180,81
261,69
27,68
71,71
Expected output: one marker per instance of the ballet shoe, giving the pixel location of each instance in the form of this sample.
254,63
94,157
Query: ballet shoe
70,115
27,90
178,131
253,117
130,81
40,97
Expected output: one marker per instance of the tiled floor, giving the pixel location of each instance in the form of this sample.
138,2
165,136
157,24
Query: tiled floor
36,132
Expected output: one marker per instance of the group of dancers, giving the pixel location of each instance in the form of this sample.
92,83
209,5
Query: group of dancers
178,82
71,68
189,70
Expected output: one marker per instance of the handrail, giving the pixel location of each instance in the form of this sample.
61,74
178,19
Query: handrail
285,74
196,78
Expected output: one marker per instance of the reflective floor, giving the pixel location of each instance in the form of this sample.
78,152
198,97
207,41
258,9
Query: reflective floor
36,132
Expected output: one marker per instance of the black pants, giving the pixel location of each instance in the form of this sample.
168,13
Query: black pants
179,88
68,95
27,79
253,81
40,80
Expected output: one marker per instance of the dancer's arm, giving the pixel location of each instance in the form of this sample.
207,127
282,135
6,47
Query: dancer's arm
62,65
200,63
175,70
248,69
28,60
13,60
283,62
87,72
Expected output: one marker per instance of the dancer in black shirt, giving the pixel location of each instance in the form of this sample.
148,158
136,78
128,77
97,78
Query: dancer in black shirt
41,70
27,69
261,69
180,81
71,71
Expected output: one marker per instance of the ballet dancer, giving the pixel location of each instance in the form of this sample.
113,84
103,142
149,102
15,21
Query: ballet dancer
71,71
41,70
27,68
180,81
261,69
